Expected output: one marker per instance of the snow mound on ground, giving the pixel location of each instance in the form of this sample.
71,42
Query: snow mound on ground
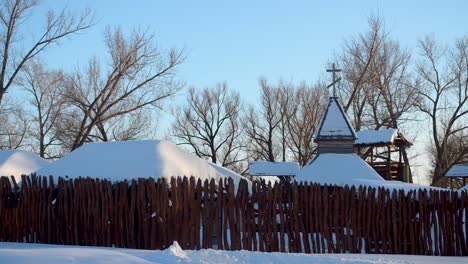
351,170
19,162
177,251
19,253
68,255
118,161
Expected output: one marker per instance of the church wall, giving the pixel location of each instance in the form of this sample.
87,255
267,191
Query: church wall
340,147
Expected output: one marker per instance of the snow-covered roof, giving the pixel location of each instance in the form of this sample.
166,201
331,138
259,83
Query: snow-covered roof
335,123
119,161
370,137
459,170
340,169
266,168
18,162
348,169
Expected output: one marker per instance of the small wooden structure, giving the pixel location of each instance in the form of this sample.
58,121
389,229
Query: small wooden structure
382,149
458,171
285,171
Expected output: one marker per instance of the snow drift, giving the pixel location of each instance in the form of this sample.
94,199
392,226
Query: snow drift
18,162
19,253
118,161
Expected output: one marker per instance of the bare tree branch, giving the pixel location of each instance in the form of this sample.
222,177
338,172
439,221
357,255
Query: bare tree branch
209,124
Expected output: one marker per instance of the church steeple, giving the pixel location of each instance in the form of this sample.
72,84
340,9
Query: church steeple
335,124
335,134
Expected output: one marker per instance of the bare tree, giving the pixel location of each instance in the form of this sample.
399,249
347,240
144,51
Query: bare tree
393,92
14,126
304,111
44,88
209,124
356,59
443,98
379,89
263,124
140,76
140,123
13,55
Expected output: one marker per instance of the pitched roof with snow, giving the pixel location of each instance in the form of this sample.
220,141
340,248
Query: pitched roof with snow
339,169
459,170
266,168
335,123
371,137
18,162
119,161
349,169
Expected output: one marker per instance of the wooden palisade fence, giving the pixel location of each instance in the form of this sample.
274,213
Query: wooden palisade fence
151,214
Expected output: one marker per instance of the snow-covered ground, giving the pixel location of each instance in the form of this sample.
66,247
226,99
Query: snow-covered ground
18,162
19,253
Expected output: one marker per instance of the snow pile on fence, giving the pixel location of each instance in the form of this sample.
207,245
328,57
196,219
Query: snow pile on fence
18,162
39,253
351,170
463,189
118,161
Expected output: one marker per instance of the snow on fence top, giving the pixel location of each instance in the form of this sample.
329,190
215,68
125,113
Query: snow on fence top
119,161
463,189
335,123
18,162
266,168
369,137
459,170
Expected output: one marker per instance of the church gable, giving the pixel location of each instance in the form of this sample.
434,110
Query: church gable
335,124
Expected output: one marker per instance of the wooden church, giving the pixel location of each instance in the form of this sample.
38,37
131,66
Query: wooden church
340,151
336,163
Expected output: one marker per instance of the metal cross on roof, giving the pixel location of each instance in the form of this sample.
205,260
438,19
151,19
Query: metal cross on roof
334,70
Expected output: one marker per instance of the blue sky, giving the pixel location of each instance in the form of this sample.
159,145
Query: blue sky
239,41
